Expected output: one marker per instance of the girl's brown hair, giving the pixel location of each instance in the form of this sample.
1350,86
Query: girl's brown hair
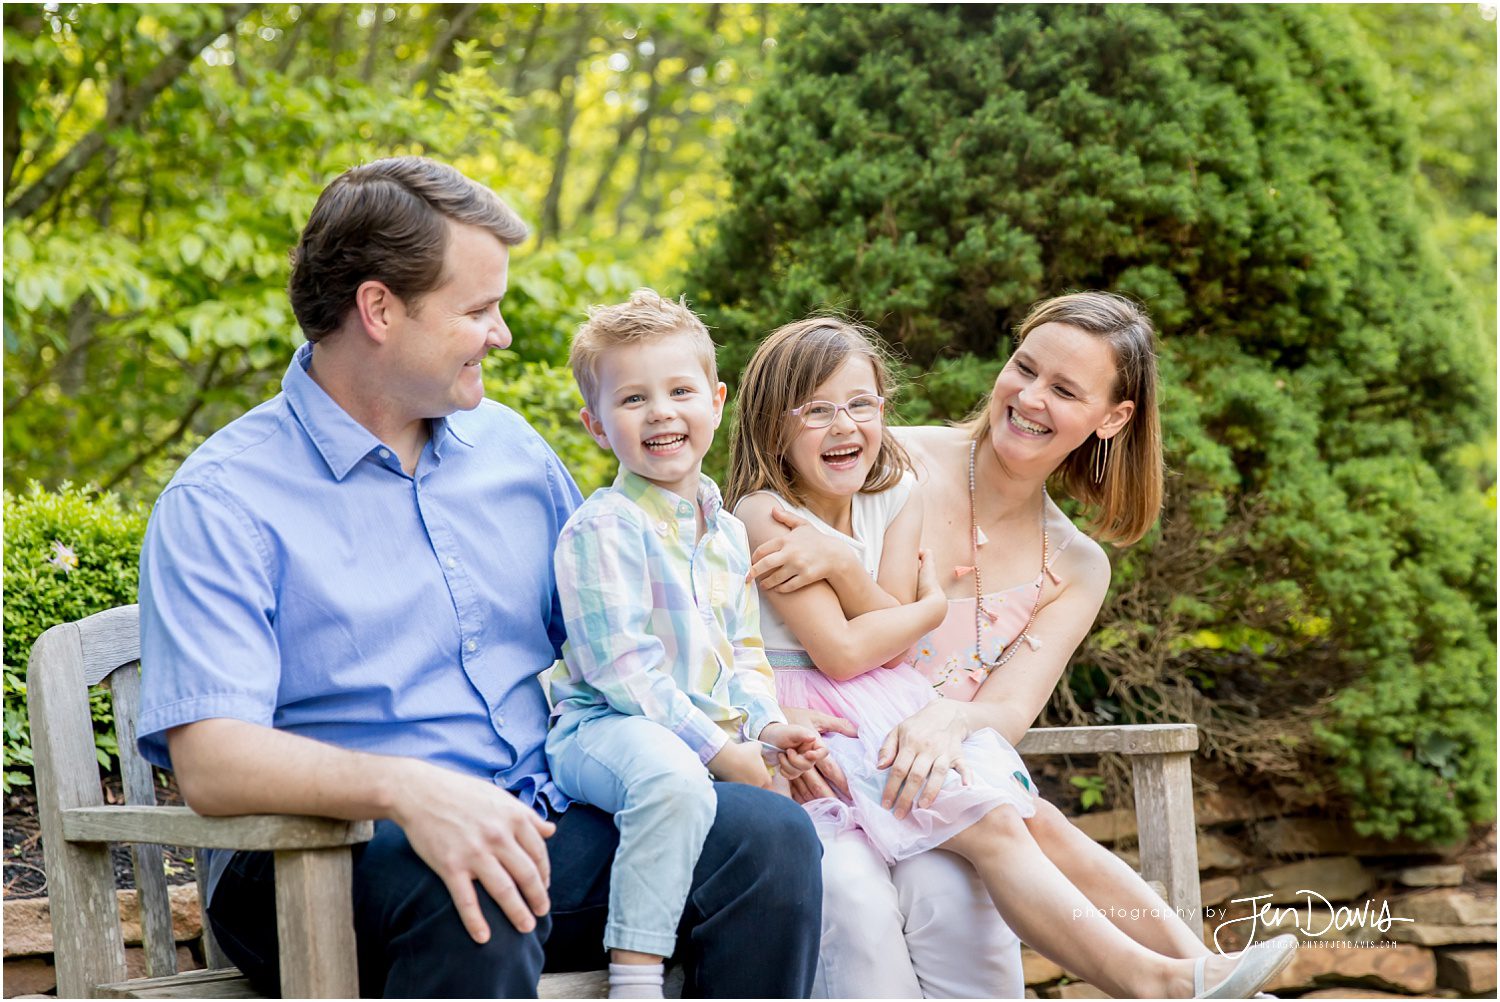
1128,498
787,367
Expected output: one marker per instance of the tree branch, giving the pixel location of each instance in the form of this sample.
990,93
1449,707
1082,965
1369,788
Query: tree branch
126,111
627,131
178,429
527,48
441,57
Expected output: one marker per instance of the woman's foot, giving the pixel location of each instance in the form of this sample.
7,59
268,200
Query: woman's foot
1249,969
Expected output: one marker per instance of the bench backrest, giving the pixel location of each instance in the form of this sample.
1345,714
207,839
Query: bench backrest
67,663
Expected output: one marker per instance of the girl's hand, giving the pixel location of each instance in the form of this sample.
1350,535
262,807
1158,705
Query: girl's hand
801,748
799,558
930,589
740,762
826,779
919,752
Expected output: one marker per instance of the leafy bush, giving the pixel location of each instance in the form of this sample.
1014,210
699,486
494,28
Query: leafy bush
1319,595
68,554
546,396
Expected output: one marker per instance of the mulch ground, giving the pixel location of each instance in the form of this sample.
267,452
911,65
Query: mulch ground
25,876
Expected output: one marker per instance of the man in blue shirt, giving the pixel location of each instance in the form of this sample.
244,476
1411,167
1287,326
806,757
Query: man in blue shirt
346,598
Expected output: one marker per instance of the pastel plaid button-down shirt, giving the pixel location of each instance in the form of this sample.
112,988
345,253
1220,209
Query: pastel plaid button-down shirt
659,624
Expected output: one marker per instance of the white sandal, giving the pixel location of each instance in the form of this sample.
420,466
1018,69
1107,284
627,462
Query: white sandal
1257,965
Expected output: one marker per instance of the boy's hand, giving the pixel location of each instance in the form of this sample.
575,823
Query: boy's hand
740,762
801,748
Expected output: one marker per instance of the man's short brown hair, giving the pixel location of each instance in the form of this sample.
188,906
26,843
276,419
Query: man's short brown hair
386,221
645,317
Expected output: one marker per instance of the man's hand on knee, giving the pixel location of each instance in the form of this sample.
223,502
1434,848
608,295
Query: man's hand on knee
468,830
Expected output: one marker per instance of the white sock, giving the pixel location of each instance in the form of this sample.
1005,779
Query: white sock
635,981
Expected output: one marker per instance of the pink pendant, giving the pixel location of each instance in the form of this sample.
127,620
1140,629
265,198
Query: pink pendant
961,570
991,614
977,674
1052,574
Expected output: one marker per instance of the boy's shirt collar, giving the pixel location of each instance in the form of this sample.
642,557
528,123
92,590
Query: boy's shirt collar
658,502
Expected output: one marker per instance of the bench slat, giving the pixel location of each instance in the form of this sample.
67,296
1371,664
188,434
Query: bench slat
147,860
1124,739
226,983
180,826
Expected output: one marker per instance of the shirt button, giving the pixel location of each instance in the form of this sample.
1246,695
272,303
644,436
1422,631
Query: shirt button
385,454
662,528
451,563
470,646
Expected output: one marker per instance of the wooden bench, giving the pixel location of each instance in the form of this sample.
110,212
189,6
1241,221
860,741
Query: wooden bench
313,863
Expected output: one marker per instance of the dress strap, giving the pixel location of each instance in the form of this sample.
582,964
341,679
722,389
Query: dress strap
1052,558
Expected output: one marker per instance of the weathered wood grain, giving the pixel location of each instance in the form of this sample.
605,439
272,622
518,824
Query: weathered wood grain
147,859
315,924
89,947
1168,834
1124,739
180,826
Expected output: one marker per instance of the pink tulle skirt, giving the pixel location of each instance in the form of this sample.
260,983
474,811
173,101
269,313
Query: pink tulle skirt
876,702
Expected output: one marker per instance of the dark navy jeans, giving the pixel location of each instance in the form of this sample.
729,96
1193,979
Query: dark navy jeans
750,929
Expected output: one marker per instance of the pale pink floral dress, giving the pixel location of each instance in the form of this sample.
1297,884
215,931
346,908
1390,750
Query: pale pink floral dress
876,702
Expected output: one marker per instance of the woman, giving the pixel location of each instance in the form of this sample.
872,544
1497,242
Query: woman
1075,406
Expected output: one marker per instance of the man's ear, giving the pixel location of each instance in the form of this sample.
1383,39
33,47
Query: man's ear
1118,417
378,309
594,427
721,393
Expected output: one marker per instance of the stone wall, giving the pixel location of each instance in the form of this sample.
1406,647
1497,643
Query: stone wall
1338,892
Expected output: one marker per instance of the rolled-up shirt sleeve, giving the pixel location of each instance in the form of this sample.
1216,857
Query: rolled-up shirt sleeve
752,687
207,601
605,587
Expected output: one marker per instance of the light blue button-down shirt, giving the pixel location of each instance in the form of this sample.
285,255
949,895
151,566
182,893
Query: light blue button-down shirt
294,576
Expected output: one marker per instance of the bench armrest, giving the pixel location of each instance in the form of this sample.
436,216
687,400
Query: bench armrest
180,826
1124,739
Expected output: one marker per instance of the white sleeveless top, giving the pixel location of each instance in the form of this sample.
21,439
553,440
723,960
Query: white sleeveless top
870,516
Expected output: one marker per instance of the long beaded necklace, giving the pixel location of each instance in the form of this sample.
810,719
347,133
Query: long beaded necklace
980,611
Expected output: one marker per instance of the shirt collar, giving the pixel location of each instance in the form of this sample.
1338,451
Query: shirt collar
661,503
341,440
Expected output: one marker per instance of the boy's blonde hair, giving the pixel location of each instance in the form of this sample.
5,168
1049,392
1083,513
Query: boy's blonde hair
787,367
645,317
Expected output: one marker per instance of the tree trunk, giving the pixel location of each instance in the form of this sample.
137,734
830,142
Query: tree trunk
367,72
567,92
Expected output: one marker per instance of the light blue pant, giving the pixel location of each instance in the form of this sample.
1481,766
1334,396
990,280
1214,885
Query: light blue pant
663,801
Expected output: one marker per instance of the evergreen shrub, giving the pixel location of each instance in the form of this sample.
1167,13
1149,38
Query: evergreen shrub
68,554
1319,596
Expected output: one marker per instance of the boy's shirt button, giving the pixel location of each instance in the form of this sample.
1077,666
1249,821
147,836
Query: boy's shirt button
662,528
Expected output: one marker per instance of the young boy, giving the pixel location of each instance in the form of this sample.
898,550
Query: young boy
664,681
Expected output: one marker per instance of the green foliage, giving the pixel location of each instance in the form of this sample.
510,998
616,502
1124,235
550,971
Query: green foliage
1323,573
68,554
146,232
549,398
1091,790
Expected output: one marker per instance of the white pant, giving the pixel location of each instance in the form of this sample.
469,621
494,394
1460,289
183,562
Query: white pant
923,928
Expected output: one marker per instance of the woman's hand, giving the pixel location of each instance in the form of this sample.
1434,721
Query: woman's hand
919,752
825,779
799,558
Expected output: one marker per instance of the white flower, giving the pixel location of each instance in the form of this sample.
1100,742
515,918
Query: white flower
63,557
